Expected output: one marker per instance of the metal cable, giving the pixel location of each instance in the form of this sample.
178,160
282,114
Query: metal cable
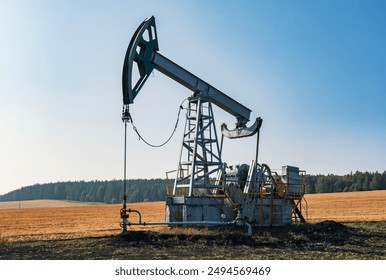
171,135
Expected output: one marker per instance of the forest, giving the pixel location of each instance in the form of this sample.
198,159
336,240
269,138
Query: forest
358,181
139,190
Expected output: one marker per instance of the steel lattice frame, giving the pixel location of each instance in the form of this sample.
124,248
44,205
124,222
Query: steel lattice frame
200,152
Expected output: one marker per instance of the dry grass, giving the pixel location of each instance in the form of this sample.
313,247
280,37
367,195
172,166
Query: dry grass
46,220
347,207
46,223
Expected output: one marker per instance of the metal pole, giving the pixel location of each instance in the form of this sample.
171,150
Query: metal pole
124,167
221,145
257,147
124,213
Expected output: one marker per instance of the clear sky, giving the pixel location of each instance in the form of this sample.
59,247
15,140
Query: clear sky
315,71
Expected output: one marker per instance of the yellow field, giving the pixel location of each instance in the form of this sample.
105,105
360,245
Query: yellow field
45,222
347,207
45,219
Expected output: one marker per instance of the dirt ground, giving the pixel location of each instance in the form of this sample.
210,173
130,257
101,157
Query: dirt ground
326,240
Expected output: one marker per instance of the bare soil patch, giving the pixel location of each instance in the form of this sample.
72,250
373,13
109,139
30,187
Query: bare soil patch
325,240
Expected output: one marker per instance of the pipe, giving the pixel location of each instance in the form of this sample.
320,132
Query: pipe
139,215
183,223
237,223
249,228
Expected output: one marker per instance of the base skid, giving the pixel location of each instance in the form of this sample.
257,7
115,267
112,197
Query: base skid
203,209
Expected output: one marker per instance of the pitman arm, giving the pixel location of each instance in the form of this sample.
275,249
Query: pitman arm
143,50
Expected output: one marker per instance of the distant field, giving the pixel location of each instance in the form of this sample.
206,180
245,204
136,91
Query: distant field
47,219
42,203
347,207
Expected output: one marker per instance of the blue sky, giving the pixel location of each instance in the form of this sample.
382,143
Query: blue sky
315,71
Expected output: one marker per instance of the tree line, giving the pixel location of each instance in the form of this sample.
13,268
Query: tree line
358,181
139,190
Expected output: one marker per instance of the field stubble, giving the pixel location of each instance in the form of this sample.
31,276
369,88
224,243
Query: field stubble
343,226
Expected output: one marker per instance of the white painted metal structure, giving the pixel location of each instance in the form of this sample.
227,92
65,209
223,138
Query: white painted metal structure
240,194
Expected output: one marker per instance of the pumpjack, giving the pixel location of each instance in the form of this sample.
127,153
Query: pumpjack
206,190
